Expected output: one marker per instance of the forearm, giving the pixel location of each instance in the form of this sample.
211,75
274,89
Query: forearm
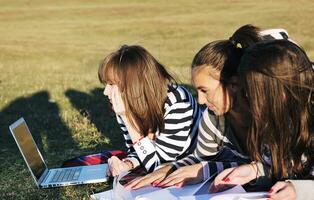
211,168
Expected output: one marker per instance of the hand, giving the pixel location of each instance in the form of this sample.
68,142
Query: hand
117,102
282,190
234,176
151,136
116,166
185,175
153,178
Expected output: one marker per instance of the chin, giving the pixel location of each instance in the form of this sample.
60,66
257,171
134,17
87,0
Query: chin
218,113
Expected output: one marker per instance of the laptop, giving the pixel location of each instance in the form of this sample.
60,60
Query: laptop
44,177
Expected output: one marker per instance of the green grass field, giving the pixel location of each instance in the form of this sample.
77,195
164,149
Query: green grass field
49,56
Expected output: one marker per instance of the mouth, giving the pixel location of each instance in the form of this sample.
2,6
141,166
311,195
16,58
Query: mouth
109,99
211,107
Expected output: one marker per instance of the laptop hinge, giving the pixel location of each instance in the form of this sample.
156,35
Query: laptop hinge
43,177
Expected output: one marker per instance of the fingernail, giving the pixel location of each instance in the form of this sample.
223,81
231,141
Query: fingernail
270,191
155,184
178,185
227,180
161,186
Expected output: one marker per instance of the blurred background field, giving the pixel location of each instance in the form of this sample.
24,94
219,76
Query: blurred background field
49,56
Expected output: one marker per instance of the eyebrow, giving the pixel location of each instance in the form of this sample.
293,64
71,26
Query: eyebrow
202,88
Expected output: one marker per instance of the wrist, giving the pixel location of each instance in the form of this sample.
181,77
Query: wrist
254,169
129,163
169,168
200,172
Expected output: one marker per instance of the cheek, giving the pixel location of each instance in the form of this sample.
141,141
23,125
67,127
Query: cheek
221,101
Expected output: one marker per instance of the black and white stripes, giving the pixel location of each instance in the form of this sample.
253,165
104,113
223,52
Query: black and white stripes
178,138
216,145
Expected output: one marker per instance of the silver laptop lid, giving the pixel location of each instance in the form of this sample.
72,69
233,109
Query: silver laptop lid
28,148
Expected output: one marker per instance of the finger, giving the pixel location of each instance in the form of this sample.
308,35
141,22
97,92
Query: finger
184,183
114,172
275,188
282,194
172,176
141,184
136,183
158,181
108,172
234,180
175,173
221,188
168,180
133,183
212,188
109,165
148,180
115,169
175,181
222,177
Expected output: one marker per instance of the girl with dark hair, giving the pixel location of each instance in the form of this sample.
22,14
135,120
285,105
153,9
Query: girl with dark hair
278,81
158,118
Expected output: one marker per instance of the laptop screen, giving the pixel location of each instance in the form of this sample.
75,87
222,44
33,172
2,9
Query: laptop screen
28,148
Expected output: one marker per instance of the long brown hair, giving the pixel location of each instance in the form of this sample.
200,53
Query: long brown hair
279,82
143,83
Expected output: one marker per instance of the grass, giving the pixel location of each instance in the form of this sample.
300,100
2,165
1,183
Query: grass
49,55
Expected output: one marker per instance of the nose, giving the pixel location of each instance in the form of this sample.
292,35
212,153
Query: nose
107,90
201,98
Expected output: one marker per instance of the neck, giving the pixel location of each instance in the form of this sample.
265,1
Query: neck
239,119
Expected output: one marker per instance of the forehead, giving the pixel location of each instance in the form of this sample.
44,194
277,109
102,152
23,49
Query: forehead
111,75
204,73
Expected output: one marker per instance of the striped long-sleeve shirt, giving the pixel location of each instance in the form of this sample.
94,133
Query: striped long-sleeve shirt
178,138
217,147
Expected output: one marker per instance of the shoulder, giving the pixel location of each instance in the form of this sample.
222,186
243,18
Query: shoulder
178,94
209,117
211,122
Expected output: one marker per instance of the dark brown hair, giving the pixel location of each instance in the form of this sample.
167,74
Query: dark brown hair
279,82
224,55
143,83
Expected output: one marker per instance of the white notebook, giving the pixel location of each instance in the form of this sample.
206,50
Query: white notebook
190,192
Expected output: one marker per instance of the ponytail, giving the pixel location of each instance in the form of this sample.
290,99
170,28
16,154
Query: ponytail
225,55
246,36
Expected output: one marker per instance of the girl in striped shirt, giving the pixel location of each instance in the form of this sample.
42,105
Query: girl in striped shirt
158,117
224,124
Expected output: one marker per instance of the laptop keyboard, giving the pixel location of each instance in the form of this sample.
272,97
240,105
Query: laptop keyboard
66,175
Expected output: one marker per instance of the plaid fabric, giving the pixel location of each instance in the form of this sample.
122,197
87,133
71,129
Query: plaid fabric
93,159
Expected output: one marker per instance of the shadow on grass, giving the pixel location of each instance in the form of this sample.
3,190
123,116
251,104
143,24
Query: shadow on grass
96,107
43,119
